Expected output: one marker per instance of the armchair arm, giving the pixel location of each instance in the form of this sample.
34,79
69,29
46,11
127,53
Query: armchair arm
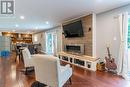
37,55
65,73
67,66
64,68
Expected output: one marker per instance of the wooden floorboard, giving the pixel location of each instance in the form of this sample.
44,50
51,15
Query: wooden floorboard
11,76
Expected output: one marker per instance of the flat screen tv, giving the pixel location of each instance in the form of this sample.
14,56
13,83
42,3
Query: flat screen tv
74,29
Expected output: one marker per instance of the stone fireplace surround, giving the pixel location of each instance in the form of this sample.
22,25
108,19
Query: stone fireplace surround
86,39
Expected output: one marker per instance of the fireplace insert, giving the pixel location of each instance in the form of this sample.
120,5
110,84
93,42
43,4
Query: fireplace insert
75,48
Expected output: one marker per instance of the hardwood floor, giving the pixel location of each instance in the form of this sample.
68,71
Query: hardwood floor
11,76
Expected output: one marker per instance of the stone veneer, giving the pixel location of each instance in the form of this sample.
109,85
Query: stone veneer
86,40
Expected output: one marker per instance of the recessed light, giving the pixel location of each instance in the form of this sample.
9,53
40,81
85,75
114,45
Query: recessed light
16,25
22,17
36,28
47,22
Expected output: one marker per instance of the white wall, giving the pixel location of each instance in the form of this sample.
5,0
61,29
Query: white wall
39,38
0,33
59,39
108,32
94,34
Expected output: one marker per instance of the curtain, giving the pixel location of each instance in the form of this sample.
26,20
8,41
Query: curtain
122,66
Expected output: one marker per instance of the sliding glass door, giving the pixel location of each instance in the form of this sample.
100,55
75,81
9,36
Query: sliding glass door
129,47
51,43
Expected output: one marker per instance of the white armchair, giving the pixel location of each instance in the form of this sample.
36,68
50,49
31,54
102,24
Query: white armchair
49,71
27,59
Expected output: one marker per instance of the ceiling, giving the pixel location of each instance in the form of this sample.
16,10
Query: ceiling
45,14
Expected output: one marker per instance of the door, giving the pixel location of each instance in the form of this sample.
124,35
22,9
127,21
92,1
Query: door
51,43
129,47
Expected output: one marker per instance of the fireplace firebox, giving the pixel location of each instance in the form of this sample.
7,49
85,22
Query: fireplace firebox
75,48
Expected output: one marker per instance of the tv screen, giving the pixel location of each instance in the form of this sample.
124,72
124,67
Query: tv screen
74,29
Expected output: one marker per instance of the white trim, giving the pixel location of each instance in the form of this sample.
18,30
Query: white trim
94,35
61,37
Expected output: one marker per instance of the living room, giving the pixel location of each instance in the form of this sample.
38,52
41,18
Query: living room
88,38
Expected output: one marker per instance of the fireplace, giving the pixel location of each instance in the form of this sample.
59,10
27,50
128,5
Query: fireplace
75,48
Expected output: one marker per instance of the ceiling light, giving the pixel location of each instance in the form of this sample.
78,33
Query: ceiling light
16,25
36,28
47,22
22,17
